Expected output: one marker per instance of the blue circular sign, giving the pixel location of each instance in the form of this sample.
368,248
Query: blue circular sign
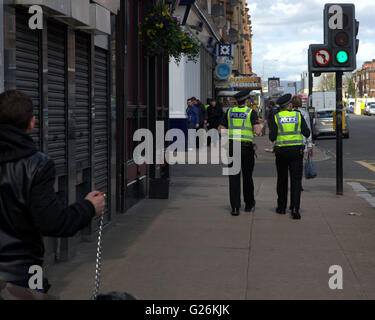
223,71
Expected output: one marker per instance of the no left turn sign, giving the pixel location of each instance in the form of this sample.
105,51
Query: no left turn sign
273,84
322,57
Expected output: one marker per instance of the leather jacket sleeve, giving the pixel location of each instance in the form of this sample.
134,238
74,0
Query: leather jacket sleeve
48,214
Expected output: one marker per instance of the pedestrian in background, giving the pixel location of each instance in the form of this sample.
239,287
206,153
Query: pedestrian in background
29,208
215,115
297,106
192,123
288,129
208,103
202,112
273,109
202,117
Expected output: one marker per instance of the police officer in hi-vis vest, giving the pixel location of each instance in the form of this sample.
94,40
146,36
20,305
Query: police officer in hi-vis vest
242,122
287,130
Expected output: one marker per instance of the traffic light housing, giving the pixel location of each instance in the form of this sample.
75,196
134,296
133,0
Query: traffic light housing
338,53
340,31
320,58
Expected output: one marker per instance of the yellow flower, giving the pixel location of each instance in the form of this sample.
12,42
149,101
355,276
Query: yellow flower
159,25
183,47
146,19
150,33
164,13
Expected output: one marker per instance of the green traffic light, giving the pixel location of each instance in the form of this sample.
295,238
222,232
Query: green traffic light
342,56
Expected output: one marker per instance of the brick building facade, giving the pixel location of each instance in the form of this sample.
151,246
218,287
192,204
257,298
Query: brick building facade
364,80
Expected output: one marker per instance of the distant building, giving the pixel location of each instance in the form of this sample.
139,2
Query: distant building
305,82
291,87
364,79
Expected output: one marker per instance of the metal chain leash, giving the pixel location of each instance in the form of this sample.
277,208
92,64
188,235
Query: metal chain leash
98,267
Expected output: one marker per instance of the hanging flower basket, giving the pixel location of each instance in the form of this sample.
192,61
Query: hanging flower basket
161,34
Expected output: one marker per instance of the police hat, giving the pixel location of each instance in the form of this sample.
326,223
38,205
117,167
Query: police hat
284,100
243,95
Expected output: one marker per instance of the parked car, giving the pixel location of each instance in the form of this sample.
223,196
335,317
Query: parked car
366,112
323,124
351,107
371,109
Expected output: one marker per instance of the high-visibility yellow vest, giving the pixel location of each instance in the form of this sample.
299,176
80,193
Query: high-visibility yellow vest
239,124
289,129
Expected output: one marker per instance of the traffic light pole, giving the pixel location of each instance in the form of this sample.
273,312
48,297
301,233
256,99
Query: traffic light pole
339,138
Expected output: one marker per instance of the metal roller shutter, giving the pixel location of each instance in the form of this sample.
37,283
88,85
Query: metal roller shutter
28,67
82,109
56,96
102,132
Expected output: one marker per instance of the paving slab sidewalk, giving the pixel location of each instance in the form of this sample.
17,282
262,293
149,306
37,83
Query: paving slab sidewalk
191,248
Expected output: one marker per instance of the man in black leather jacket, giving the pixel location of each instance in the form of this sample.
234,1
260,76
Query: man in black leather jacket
29,208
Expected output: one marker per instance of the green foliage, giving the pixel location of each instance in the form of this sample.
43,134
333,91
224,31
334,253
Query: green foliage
161,34
351,87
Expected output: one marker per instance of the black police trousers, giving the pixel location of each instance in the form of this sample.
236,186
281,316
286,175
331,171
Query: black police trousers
289,160
247,168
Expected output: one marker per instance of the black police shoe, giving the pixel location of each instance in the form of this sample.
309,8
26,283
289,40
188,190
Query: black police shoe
280,211
235,212
296,215
250,208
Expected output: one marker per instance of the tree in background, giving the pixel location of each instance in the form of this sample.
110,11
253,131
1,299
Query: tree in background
327,82
348,82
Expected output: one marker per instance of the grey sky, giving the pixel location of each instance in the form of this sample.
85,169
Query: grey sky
283,30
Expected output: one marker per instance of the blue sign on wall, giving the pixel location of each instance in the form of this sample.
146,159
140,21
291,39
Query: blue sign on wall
223,71
224,50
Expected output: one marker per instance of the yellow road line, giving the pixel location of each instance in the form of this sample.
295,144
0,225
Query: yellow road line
367,165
